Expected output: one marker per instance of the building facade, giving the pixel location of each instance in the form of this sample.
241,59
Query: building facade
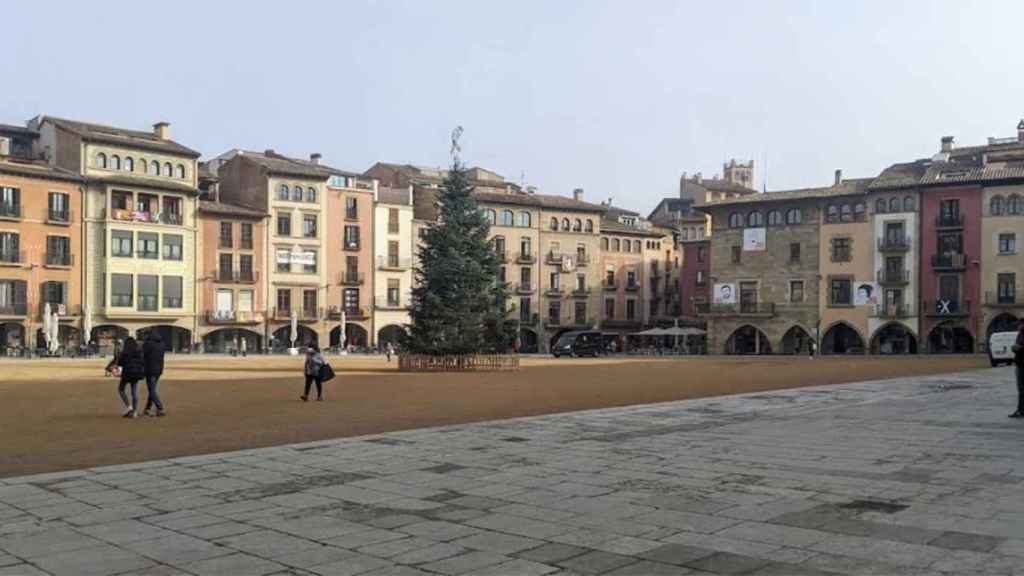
894,325
350,265
1002,264
392,272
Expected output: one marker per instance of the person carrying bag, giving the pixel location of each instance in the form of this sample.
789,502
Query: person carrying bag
314,372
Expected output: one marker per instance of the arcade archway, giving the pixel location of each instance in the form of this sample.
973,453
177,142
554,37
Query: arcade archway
226,340
175,338
950,338
841,338
528,341
390,334
796,341
1004,322
355,335
305,337
748,340
892,339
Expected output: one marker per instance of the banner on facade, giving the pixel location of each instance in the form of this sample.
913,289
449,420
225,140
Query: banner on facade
302,258
754,239
865,294
724,294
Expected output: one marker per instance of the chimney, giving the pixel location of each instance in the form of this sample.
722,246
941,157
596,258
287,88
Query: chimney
839,177
577,194
1020,131
162,130
269,153
699,178
315,157
947,144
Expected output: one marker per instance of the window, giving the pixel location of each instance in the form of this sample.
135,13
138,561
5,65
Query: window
609,278
894,205
129,164
555,281
101,160
351,237
115,162
616,245
168,170
630,309
309,225
565,224
832,215
14,296
846,213
794,252
226,234
627,245
490,216
393,254
180,173
59,207
351,208
149,245
995,207
148,287
145,203
908,203
701,280
554,223
1013,207
840,293
154,168
172,292
284,300
246,236
394,292
841,249
337,181
284,224
859,212
737,251
1007,288
350,299
524,219
702,253
502,275
121,290
172,247
524,246
309,264
245,300
686,234
588,226
282,192
507,218
581,282
225,267
880,206
637,247
284,261
554,312
774,218
755,219
631,279
735,220
58,251
499,246
577,225
10,247
604,244
796,291
310,194
794,216
54,293
1007,243
609,308
580,313
121,243
949,211
296,193
392,220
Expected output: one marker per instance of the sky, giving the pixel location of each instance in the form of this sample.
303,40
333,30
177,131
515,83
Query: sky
616,97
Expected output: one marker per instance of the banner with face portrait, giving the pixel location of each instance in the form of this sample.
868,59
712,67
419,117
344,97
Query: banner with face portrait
865,294
754,240
724,294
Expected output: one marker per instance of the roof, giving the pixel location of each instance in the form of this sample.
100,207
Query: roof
848,187
398,196
614,226
121,137
717,185
12,129
36,169
424,200
226,209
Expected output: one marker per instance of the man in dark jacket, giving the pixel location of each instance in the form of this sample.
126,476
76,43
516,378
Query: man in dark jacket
153,357
1018,359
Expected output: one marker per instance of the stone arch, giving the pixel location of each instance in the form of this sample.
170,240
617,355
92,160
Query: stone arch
67,336
355,335
107,336
748,339
950,337
12,335
529,342
175,338
796,340
226,340
1004,322
306,337
893,338
842,338
392,333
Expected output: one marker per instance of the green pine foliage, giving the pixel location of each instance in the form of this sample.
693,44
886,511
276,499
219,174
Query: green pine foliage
458,305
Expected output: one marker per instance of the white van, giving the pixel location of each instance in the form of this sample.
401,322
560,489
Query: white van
1000,347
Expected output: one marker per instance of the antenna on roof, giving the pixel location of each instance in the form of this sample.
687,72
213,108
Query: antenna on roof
764,178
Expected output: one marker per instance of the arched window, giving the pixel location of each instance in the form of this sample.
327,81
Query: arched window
627,245
755,219
794,216
735,220
908,203
491,216
577,225
588,226
310,194
774,218
604,244
880,206
995,207
101,160
686,233
507,218
846,213
168,170
554,223
129,164
894,205
832,215
282,192
616,245
1013,205
859,211
154,168
181,171
297,193
700,232
565,224
115,162
524,219
637,247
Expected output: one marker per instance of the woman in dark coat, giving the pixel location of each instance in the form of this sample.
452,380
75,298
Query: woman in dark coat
132,370
314,364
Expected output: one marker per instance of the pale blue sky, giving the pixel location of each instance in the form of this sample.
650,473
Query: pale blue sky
616,97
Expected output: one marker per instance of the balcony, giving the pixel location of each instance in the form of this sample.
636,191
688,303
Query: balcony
8,310
891,311
525,288
10,211
581,292
351,278
526,258
385,303
582,259
233,317
502,256
351,246
611,286
947,308
351,313
996,300
392,263
303,315
949,221
12,257
529,319
554,292
552,322
123,215
752,309
584,322
59,259
351,215
236,276
895,244
62,310
949,262
62,217
632,286
555,258
626,323
893,277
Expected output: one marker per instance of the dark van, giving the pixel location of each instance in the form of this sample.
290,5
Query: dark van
578,344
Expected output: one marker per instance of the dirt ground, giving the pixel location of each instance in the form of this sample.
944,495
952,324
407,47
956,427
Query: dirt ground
64,414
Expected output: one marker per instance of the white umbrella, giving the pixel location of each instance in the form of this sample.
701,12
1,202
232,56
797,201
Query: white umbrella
342,339
47,320
55,331
295,328
86,325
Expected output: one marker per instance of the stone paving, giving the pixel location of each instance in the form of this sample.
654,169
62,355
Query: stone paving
908,476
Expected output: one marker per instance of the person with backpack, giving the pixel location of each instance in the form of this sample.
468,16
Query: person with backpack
153,361
132,370
314,371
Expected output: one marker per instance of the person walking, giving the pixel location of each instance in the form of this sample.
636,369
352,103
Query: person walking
132,370
315,362
153,361
1018,359
389,350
